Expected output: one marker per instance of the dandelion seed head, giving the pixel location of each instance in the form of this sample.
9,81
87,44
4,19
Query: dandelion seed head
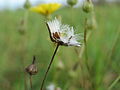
62,34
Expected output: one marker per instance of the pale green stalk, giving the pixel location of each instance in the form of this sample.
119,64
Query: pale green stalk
114,83
23,47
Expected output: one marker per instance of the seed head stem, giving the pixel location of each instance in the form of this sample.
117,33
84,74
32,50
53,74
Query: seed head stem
49,67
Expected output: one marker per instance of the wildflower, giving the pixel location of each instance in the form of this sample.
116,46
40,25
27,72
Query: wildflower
62,34
52,87
46,9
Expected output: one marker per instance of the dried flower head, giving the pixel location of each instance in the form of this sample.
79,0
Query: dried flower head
46,9
32,69
62,34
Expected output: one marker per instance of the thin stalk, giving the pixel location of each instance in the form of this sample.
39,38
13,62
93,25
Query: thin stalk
85,44
31,82
72,15
23,44
83,47
49,66
80,54
114,83
86,55
23,47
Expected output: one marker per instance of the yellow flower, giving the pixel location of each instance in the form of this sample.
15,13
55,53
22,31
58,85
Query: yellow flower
46,9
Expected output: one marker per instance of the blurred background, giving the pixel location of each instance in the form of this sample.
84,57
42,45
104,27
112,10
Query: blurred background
24,34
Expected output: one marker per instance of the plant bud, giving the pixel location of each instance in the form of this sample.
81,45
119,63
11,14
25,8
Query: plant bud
27,4
32,69
22,27
87,6
72,2
72,74
60,65
91,23
59,17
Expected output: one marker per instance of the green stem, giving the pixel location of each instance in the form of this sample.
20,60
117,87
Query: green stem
31,81
83,47
85,44
72,14
86,55
49,67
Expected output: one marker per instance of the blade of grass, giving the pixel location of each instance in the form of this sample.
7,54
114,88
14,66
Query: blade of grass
114,83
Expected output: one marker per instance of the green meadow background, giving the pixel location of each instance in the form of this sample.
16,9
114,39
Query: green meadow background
17,49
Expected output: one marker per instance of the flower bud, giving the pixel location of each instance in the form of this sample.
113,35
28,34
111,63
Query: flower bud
22,27
72,2
27,4
59,17
91,23
87,6
72,74
60,65
32,69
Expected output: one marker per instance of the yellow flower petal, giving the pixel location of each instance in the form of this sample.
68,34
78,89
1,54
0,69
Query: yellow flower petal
46,9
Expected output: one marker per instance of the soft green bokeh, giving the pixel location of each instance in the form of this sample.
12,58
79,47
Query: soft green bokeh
16,49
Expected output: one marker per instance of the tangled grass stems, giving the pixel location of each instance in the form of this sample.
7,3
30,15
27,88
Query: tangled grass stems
83,50
49,66
80,54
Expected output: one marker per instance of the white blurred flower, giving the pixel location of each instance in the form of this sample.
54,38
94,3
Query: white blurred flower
62,34
51,87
